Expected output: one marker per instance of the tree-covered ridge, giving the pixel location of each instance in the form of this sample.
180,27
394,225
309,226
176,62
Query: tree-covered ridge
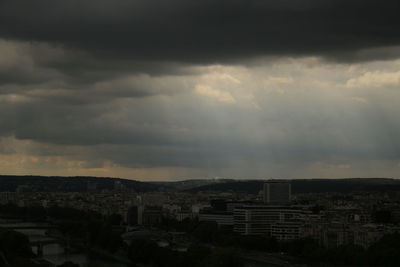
80,184
310,185
69,184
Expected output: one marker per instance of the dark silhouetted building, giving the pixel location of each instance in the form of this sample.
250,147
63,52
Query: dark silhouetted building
277,192
135,215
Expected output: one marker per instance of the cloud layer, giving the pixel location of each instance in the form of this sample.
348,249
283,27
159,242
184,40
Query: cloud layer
181,89
206,31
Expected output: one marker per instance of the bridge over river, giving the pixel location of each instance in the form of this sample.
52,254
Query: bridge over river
54,250
36,233
40,243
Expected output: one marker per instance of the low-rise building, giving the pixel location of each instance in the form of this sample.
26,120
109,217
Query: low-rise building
283,222
220,217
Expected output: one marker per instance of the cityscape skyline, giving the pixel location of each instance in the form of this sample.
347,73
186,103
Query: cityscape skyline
60,221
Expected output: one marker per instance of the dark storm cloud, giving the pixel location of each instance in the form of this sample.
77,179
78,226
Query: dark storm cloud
206,31
33,63
172,83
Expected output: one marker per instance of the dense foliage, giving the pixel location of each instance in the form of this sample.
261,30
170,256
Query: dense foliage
384,252
87,227
15,249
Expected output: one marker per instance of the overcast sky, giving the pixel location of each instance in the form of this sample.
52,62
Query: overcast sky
165,90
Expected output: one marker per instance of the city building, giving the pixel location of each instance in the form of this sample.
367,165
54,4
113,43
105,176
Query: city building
277,192
183,214
282,222
152,215
135,215
222,218
8,197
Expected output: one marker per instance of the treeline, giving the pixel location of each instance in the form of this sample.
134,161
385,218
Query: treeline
301,186
384,252
80,184
68,184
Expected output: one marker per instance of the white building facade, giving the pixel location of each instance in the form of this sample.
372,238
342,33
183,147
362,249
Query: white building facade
281,222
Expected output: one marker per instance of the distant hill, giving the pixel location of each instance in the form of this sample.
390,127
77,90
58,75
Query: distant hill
191,183
309,185
69,184
80,184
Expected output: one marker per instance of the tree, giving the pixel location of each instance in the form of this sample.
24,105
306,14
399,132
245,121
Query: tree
14,243
206,231
385,251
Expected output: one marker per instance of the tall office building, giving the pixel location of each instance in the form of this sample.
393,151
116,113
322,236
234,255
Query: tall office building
277,192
